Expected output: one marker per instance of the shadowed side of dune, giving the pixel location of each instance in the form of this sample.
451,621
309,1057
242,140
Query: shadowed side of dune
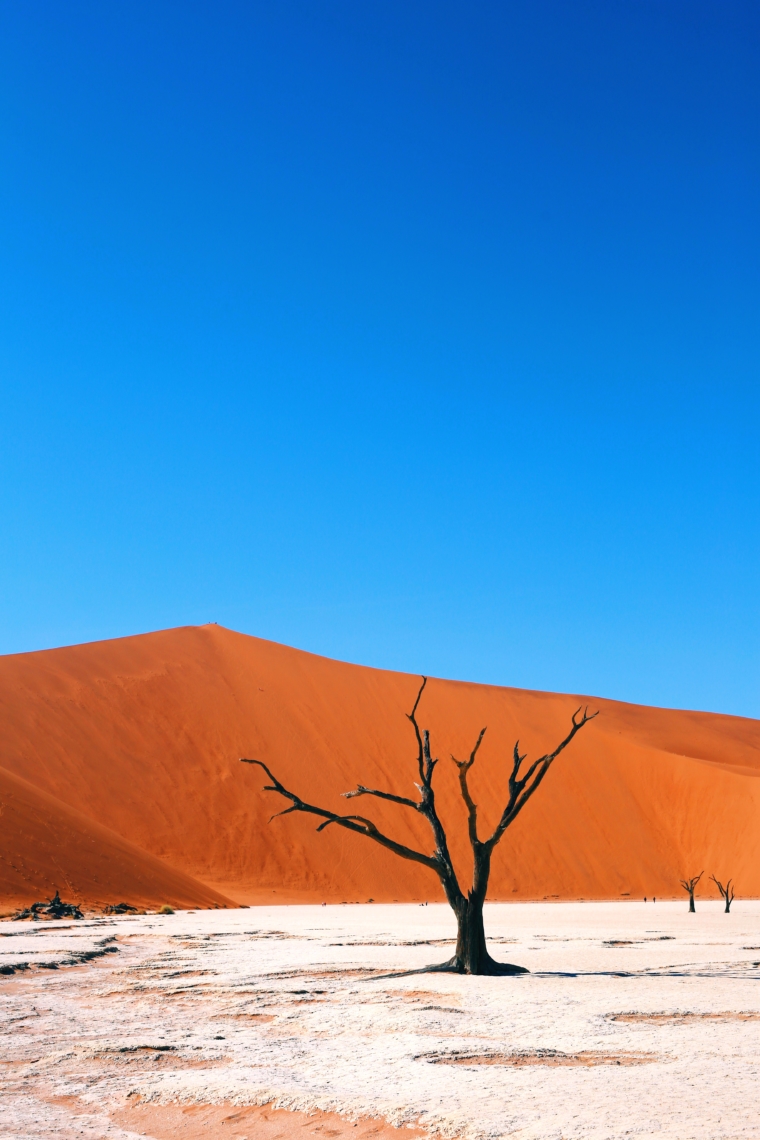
143,735
47,846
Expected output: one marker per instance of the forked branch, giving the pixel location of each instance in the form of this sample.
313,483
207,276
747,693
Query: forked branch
727,892
690,884
472,808
723,890
424,764
522,786
440,861
412,716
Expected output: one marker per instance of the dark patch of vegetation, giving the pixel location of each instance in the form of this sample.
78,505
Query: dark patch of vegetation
53,908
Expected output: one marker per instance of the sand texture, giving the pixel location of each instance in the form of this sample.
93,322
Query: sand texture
133,790
636,1020
48,846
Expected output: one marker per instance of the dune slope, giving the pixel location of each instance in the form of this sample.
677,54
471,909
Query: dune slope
49,847
142,736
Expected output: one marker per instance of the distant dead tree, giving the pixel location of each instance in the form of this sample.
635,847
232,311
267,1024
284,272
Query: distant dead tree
471,955
690,885
725,892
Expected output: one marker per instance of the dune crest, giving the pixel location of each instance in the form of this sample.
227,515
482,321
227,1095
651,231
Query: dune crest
136,742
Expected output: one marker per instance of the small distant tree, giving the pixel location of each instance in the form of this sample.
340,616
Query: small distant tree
471,955
727,892
690,885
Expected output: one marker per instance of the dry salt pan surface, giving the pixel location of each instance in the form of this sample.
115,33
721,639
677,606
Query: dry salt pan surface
636,1020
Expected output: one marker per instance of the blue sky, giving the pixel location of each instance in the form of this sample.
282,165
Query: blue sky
423,335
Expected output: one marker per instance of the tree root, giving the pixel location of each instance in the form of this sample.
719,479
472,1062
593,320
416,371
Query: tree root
455,966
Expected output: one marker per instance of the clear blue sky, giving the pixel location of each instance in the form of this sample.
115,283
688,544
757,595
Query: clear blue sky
424,335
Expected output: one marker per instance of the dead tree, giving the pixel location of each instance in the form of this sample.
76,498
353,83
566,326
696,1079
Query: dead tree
471,955
727,893
53,908
690,885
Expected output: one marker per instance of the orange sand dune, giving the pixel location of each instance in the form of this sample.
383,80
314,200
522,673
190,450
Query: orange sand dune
47,846
143,735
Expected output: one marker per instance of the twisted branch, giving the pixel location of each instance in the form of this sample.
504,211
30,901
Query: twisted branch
412,716
356,823
521,788
690,884
472,808
724,890
362,791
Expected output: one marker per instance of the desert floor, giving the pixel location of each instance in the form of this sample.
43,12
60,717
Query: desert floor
636,1019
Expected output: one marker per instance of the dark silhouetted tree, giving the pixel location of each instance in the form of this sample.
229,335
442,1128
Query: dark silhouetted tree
471,955
725,892
690,885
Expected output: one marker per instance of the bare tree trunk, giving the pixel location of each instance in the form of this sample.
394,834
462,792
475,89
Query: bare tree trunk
472,955
692,908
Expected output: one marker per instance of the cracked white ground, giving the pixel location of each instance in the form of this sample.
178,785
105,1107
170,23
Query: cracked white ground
636,1019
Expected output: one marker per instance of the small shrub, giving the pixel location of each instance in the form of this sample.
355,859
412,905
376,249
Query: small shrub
165,909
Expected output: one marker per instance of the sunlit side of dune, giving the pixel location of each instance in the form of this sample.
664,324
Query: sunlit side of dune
136,742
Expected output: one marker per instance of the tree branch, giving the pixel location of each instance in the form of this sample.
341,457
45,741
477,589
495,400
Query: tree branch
522,788
427,808
426,766
472,808
412,716
723,890
355,823
362,791
371,829
690,884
